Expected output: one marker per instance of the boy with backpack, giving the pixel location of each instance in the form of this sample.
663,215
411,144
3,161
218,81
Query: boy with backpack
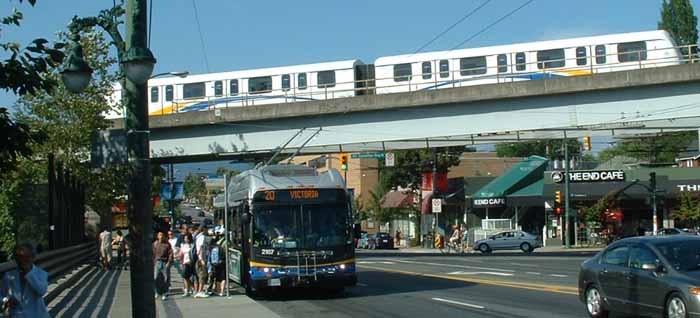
217,266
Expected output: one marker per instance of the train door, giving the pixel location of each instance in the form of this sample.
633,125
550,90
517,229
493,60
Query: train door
364,79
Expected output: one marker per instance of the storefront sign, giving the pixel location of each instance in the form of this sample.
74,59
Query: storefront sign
489,203
590,176
688,187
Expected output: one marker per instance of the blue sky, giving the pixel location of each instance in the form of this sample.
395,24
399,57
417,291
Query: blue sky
252,34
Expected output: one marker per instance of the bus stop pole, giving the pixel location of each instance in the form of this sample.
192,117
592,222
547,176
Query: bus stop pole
226,233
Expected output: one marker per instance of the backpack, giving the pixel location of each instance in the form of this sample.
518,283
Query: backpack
215,257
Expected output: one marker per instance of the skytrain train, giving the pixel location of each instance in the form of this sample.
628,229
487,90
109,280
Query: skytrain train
411,72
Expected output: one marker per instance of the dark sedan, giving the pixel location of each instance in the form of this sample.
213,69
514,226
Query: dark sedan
644,276
383,240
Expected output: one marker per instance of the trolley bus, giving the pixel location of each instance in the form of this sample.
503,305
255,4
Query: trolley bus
290,226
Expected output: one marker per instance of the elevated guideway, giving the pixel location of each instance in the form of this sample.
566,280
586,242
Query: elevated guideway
620,103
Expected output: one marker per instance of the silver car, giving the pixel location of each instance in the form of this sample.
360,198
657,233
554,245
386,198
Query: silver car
508,240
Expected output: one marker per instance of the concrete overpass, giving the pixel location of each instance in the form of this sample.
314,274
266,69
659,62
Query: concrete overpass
626,102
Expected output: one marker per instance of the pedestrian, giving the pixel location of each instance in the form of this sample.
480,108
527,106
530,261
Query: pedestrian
105,247
162,259
22,289
397,238
175,244
218,266
200,244
187,259
120,242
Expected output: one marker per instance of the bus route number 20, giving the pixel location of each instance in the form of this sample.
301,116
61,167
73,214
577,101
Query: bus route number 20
270,195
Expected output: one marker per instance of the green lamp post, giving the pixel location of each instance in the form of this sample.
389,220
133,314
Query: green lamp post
136,62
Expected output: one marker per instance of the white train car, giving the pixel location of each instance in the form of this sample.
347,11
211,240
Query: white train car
251,87
525,61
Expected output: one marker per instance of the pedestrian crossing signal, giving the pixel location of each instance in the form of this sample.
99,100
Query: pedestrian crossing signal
557,197
344,161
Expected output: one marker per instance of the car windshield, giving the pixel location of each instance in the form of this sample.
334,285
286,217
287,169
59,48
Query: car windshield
682,255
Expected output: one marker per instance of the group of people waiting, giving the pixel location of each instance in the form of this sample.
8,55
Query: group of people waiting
197,257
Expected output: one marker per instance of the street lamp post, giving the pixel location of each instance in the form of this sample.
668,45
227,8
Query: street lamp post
136,62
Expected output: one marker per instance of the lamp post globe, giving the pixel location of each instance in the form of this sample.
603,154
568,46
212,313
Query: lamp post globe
138,64
76,75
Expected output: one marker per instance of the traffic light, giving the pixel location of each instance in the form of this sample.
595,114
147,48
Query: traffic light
557,197
652,180
344,161
587,143
558,210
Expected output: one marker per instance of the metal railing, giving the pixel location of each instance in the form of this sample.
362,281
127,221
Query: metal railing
456,77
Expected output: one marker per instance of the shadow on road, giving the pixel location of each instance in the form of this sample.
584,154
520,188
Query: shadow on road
91,297
371,283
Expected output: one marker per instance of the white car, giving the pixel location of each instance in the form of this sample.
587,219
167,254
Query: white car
508,240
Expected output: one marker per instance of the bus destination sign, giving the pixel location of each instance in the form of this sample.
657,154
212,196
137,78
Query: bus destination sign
296,195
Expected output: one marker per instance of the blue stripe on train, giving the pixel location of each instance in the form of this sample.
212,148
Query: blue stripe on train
206,104
534,76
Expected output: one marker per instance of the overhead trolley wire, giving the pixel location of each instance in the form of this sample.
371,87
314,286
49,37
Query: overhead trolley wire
201,37
492,24
452,26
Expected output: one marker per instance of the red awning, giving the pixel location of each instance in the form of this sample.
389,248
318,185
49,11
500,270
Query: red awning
427,206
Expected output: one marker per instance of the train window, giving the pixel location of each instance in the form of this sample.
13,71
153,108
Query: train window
427,70
233,87
444,68
520,62
218,88
285,82
154,94
259,85
301,80
550,58
502,63
581,56
169,93
632,51
600,57
402,72
472,65
193,90
326,79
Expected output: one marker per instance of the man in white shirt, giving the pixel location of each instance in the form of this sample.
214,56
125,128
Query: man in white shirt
106,247
175,243
200,243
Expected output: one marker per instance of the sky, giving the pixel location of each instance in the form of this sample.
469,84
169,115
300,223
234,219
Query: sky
238,35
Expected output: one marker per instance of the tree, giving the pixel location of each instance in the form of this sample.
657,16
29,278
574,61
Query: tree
229,173
547,148
678,18
195,188
411,164
657,150
688,210
595,213
23,72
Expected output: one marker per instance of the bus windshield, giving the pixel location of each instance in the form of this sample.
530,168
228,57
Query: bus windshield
300,226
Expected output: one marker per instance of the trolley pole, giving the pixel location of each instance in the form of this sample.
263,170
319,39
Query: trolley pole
567,222
226,233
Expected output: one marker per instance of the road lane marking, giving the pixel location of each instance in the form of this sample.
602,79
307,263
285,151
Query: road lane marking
458,266
557,275
480,273
361,284
458,303
369,262
524,265
532,273
538,287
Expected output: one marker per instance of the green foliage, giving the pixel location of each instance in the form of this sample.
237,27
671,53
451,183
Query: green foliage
547,148
678,18
229,173
658,150
595,213
195,188
689,209
411,164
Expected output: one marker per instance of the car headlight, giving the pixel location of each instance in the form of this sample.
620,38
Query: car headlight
694,290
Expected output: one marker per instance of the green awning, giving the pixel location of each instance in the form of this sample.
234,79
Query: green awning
528,196
520,176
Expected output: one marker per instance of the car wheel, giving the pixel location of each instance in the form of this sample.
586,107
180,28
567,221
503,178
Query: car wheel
526,247
484,248
675,307
594,303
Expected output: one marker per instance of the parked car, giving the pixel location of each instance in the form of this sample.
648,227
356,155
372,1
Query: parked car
508,240
656,276
363,241
384,240
673,231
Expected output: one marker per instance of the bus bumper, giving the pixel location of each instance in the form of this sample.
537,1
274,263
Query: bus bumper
337,280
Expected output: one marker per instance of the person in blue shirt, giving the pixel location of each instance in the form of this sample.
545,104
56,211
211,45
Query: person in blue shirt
23,289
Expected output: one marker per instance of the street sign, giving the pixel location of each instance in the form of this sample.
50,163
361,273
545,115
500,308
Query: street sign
108,148
375,155
437,206
389,159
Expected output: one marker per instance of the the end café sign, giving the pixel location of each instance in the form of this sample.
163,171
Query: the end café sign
590,176
489,202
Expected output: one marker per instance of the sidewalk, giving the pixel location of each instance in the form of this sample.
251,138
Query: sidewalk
107,294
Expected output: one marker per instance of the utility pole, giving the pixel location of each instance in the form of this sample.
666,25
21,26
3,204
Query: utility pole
435,191
652,186
171,203
567,223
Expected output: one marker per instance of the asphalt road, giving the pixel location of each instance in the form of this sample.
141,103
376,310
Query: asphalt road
446,286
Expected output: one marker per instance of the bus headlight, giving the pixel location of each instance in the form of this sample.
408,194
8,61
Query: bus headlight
266,270
342,267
